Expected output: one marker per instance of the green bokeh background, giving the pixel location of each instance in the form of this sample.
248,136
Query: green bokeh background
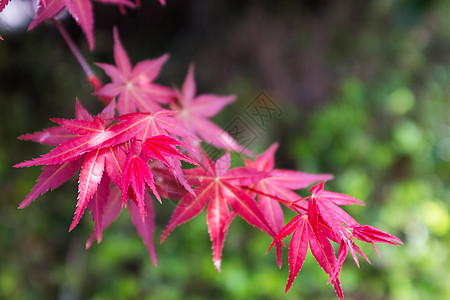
363,87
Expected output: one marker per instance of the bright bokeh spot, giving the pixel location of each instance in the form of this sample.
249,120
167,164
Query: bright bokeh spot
435,216
408,137
16,15
401,101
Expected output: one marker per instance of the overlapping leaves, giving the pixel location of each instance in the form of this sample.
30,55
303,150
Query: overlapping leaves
125,157
108,149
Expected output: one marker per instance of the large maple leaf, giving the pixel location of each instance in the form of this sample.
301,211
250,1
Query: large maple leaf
81,11
325,221
217,189
55,175
134,86
61,162
99,147
195,111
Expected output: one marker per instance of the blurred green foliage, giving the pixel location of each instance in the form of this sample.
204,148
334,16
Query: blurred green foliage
366,99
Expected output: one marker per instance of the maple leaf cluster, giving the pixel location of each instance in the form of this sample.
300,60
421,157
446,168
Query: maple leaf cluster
132,152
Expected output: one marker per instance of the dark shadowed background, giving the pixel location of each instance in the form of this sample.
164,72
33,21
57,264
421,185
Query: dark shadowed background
361,90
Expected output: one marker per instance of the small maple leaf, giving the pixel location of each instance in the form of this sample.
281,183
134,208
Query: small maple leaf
218,188
81,11
323,221
134,86
161,147
195,111
321,249
136,175
305,233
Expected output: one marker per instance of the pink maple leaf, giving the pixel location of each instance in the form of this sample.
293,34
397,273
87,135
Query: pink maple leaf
134,86
81,11
121,146
54,175
162,123
325,221
89,147
195,111
218,188
136,176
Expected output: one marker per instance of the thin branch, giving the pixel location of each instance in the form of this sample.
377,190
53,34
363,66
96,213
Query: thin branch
291,204
76,52
91,77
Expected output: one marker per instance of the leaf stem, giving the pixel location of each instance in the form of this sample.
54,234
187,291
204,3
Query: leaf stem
285,202
91,77
76,52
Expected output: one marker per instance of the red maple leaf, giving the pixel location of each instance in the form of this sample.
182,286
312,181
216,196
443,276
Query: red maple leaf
323,221
56,174
81,11
219,188
134,86
98,148
195,111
